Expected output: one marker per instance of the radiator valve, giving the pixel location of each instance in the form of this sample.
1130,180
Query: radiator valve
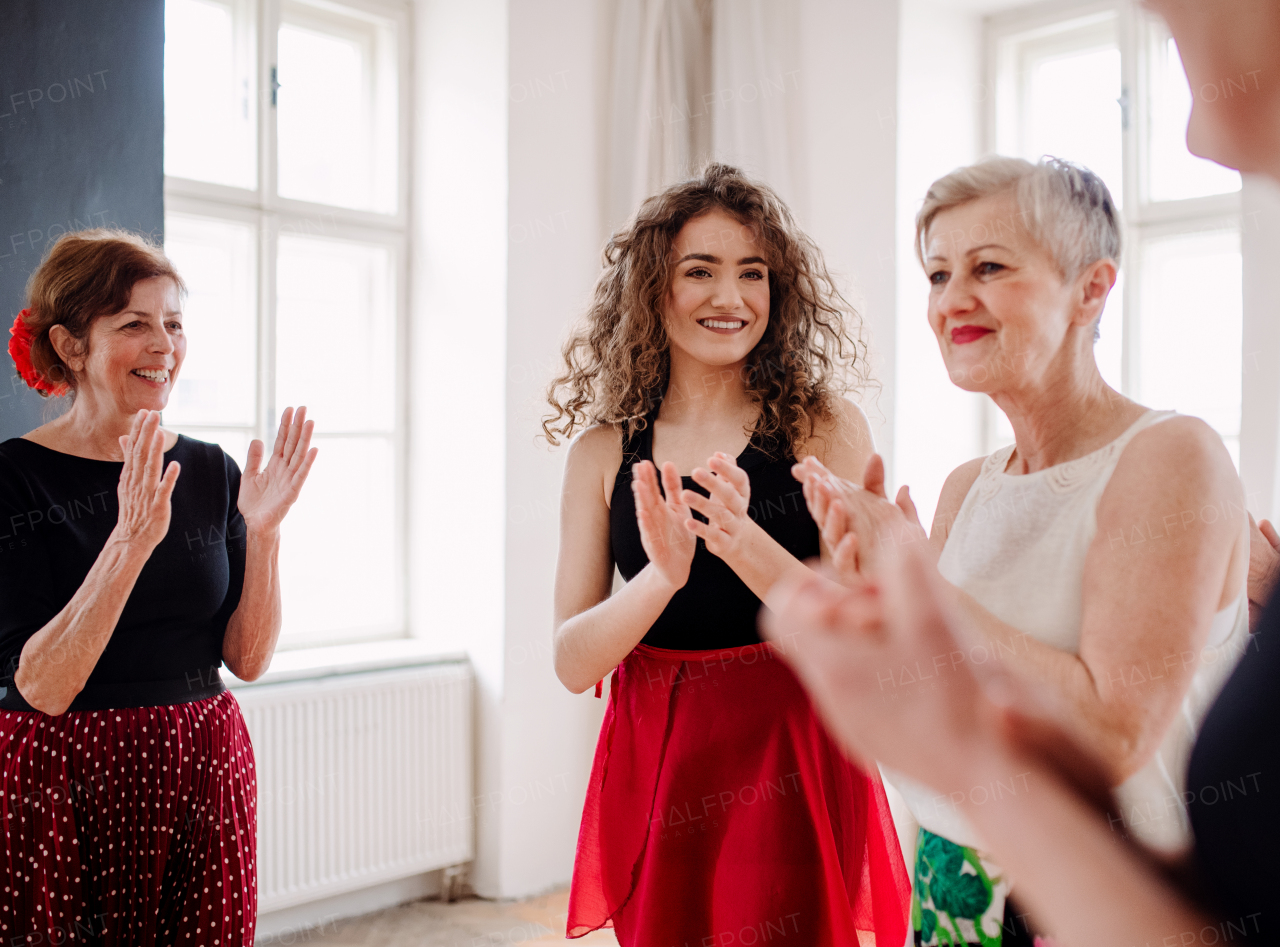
455,877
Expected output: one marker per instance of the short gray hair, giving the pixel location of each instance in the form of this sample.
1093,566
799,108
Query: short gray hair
1066,208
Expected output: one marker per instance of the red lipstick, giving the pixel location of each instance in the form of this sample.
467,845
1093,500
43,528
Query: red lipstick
962,335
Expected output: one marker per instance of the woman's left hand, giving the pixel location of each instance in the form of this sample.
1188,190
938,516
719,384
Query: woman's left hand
858,522
267,494
727,509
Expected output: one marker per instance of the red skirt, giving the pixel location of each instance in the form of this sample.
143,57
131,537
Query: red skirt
128,827
720,813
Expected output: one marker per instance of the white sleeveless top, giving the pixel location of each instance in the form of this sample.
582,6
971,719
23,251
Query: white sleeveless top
1018,546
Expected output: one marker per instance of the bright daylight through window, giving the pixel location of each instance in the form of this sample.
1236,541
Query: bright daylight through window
289,227
1107,90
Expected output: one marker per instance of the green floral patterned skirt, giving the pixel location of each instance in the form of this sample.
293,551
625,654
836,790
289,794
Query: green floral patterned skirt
958,899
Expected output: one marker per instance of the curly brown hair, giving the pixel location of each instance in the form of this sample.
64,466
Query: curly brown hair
618,361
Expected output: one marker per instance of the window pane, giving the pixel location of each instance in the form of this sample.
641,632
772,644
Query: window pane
1072,111
337,110
338,566
335,332
209,115
217,384
1175,172
1190,329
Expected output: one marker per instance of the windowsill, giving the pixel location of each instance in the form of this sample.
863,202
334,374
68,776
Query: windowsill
306,664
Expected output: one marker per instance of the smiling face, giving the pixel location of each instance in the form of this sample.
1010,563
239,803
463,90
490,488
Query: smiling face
998,304
131,358
718,306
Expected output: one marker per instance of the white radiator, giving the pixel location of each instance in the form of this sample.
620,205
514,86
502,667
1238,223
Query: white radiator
354,772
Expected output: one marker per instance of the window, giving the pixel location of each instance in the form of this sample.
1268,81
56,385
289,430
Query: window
1103,86
211,113
286,213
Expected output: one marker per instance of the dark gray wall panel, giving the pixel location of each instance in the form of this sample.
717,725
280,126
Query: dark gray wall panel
81,143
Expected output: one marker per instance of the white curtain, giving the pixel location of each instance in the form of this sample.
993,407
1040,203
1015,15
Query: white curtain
756,78
659,123
699,79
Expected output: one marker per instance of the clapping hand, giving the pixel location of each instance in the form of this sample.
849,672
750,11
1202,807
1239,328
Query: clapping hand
666,541
727,509
853,669
266,494
1264,566
857,522
143,492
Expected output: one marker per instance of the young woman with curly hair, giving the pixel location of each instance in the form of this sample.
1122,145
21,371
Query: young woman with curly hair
716,346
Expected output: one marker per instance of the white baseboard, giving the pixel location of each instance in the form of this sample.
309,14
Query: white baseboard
297,925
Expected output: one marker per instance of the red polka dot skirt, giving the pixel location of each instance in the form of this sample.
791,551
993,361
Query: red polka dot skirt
128,827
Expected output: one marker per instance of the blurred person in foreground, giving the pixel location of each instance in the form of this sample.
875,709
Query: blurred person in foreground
1060,837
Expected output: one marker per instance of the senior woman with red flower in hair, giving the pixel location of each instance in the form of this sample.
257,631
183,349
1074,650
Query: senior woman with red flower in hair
127,789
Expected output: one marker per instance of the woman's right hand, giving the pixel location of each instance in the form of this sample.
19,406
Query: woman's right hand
143,491
857,522
666,540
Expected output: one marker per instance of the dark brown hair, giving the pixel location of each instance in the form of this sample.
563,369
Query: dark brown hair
85,275
618,362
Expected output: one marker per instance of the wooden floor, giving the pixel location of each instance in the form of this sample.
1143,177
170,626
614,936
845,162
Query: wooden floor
468,923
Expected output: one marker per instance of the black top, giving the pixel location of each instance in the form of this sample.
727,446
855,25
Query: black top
715,609
56,512
1232,782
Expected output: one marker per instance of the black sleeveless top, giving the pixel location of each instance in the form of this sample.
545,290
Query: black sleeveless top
715,609
1231,792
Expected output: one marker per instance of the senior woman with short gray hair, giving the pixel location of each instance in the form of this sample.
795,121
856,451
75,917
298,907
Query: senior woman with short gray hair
1102,555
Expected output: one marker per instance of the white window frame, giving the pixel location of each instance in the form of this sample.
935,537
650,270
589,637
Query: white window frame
271,215
1136,31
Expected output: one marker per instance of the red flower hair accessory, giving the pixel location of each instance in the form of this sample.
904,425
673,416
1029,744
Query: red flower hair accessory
20,339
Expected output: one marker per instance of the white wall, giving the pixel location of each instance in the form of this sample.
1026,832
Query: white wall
1260,420
458,319
507,240
849,57
555,237
940,100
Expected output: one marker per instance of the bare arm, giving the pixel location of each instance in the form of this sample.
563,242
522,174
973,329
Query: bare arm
254,627
266,495
1147,605
1153,580
593,630
57,660
1064,854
